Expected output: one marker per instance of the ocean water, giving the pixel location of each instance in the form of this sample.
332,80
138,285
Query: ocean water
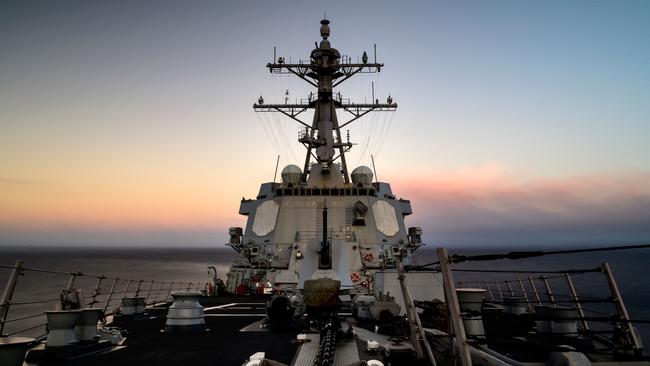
36,291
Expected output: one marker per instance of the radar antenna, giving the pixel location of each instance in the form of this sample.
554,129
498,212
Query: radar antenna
325,70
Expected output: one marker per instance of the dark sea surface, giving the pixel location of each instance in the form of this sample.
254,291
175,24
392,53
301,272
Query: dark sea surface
630,268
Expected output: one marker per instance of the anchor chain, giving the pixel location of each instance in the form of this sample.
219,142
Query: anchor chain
326,348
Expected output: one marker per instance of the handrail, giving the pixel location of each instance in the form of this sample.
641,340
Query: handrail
564,271
31,302
546,295
8,293
78,274
25,329
156,292
23,318
456,258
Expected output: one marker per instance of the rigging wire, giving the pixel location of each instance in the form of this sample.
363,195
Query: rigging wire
372,129
369,124
380,132
362,125
280,121
278,129
529,254
289,129
566,271
263,118
383,137
276,80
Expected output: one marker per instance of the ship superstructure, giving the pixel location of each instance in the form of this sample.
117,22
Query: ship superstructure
321,221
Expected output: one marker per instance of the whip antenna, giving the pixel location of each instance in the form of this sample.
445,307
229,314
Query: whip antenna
277,162
373,168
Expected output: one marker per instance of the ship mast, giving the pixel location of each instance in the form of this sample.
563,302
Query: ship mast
325,70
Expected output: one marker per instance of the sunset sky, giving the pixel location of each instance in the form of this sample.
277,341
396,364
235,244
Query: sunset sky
131,123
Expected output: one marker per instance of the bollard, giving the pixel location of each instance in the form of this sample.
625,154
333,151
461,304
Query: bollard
61,325
470,302
86,327
186,313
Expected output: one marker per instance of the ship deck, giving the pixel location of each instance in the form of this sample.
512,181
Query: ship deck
233,334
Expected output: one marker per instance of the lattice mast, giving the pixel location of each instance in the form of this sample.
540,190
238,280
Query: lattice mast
325,71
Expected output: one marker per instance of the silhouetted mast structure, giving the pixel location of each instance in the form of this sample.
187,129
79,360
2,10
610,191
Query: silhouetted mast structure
325,71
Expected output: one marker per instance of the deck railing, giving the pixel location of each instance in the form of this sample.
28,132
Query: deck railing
29,292
599,312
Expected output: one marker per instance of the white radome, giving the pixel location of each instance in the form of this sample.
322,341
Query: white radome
362,175
291,174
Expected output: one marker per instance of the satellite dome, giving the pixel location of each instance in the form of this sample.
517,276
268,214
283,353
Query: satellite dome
291,174
362,175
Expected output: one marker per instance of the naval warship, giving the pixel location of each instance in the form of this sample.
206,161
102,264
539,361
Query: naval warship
326,274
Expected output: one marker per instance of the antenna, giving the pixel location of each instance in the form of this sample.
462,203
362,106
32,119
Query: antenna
373,168
277,162
324,146
375,47
274,58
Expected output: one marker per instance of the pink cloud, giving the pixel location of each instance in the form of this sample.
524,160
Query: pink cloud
490,204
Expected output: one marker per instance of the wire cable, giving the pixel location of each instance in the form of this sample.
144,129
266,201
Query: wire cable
530,254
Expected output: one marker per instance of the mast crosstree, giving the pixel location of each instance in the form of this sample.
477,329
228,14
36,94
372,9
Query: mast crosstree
325,71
